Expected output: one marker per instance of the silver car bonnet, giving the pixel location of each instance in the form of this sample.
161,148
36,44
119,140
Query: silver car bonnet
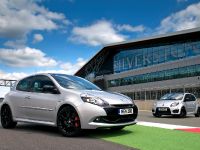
111,98
166,103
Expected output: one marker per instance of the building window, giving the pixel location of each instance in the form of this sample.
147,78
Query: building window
147,56
189,71
157,94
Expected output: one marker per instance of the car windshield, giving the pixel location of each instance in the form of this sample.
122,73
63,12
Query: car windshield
74,82
172,96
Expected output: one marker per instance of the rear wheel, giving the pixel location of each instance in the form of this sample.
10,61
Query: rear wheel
6,118
198,113
183,113
68,122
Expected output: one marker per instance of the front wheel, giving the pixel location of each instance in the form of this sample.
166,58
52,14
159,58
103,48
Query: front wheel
183,113
156,115
68,122
198,113
6,118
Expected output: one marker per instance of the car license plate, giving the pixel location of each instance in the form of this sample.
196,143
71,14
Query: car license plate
162,109
126,111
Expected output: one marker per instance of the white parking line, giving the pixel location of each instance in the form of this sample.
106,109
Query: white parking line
162,125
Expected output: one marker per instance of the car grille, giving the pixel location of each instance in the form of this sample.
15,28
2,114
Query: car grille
114,117
123,105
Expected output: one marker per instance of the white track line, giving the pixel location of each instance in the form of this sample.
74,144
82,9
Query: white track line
162,125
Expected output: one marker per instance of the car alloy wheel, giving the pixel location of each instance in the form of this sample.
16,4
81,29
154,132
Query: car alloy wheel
6,118
183,113
68,122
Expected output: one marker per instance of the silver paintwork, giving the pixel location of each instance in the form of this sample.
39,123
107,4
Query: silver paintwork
43,107
190,106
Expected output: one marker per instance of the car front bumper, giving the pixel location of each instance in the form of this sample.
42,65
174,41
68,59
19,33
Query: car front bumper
93,116
168,111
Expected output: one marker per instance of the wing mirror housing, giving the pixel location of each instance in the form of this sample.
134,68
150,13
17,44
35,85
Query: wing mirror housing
50,89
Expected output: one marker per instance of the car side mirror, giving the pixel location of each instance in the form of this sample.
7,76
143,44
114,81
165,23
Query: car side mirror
50,89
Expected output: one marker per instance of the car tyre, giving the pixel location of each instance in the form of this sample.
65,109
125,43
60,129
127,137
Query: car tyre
6,118
117,128
68,122
198,113
183,113
156,115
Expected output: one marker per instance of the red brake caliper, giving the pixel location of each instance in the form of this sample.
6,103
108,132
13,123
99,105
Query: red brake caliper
76,121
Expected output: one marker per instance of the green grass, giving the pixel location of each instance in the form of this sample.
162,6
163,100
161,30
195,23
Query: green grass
151,138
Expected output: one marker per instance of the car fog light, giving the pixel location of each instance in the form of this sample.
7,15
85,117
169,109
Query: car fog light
97,119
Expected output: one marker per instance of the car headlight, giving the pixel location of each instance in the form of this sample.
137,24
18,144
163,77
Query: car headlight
94,100
174,104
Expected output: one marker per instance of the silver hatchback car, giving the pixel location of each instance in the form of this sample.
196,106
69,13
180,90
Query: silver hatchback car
180,104
68,102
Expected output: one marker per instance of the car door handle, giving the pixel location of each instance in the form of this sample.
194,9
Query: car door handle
27,97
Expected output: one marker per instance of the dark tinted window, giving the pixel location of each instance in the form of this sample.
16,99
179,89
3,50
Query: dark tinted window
189,97
39,82
24,85
73,82
172,96
193,98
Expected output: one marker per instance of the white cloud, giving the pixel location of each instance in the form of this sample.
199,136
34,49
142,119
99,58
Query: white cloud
37,38
129,28
18,17
184,19
70,68
65,68
25,57
13,75
18,43
101,32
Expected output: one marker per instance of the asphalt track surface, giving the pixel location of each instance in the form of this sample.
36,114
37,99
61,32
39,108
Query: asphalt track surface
39,137
190,120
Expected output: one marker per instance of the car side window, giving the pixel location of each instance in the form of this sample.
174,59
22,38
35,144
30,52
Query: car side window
192,98
43,84
189,98
24,85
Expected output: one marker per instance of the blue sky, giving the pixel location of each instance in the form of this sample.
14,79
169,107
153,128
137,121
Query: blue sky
61,35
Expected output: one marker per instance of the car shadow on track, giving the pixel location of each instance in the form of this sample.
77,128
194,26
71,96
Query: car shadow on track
106,133
174,117
53,131
37,128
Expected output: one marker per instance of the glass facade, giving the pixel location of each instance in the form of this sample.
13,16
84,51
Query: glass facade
136,58
182,72
157,94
